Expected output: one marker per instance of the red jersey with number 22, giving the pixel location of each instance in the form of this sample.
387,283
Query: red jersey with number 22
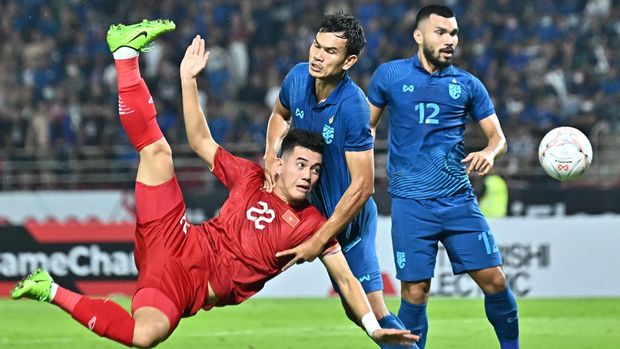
252,226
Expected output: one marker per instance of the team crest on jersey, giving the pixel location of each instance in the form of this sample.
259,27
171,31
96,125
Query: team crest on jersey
299,113
328,133
400,259
455,89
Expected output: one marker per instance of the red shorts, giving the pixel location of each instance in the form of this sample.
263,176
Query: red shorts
168,253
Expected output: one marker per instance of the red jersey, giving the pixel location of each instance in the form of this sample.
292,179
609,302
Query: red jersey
252,226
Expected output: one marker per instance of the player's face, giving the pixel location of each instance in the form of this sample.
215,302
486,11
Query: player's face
437,37
298,173
328,56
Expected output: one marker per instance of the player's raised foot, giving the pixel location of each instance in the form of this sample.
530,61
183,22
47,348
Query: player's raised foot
37,285
137,36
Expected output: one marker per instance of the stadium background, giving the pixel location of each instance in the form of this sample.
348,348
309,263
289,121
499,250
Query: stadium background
67,169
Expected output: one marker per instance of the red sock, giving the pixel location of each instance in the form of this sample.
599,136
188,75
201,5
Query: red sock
135,105
66,300
128,72
106,319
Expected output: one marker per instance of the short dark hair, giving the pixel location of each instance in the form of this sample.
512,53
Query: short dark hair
302,138
342,21
426,11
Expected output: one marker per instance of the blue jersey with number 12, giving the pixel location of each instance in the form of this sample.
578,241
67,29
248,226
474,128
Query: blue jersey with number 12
427,117
344,121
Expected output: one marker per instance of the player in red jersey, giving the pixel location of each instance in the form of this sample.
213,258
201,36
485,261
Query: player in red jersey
184,267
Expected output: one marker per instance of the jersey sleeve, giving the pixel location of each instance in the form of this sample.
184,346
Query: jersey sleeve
332,247
291,84
480,104
357,117
232,170
285,98
377,92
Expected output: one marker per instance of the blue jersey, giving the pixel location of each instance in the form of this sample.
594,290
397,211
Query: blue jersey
427,117
344,121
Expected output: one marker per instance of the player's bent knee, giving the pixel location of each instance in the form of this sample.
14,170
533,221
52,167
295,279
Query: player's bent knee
155,163
149,334
496,284
157,149
416,292
151,327
490,280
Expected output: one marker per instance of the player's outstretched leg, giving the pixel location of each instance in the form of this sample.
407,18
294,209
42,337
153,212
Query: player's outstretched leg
135,104
136,107
103,317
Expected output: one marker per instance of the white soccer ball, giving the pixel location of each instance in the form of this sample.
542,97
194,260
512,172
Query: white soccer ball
565,153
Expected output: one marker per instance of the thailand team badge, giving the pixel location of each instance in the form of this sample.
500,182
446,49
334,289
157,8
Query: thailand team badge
400,259
454,89
328,134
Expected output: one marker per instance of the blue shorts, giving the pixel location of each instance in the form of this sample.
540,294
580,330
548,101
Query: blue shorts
360,252
456,221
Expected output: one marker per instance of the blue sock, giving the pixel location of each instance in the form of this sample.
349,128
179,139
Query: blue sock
415,320
391,321
501,309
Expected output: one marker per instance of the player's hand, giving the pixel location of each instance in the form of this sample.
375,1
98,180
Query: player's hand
271,165
394,336
480,161
195,59
305,252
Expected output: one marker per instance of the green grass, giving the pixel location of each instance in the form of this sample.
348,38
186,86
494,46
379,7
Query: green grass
320,323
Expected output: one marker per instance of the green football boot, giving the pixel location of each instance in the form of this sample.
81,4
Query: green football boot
137,36
37,285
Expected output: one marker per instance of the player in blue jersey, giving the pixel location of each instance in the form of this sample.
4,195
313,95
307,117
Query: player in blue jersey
428,100
319,96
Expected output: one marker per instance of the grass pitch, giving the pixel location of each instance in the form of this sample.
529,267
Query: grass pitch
321,323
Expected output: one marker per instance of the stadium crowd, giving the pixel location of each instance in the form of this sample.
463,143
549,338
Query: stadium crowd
545,63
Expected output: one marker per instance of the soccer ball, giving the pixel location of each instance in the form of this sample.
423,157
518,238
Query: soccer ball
565,153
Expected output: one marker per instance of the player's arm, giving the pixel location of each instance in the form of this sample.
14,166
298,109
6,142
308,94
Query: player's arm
354,295
483,161
198,134
375,117
362,169
277,127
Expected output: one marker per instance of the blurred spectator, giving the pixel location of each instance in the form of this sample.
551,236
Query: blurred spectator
38,134
547,63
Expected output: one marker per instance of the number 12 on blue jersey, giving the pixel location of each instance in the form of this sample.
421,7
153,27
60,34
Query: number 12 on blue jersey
432,109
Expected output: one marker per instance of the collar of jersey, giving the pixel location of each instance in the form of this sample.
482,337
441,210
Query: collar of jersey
295,209
333,97
445,71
